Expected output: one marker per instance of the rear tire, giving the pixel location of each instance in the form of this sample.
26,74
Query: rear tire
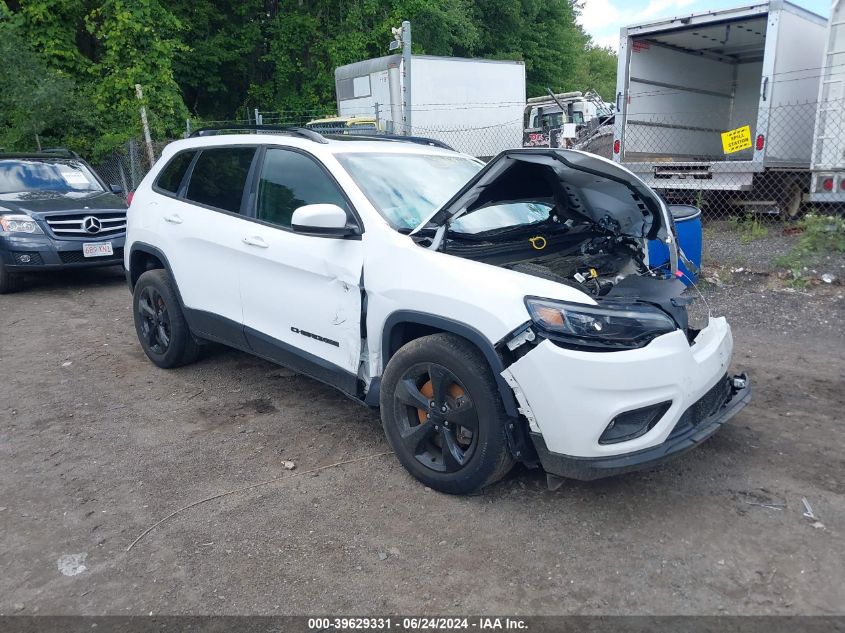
159,322
443,415
8,281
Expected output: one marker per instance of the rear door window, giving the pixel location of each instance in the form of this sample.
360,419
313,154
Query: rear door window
171,176
219,176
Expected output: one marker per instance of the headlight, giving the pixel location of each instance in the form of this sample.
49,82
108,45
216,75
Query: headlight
625,327
19,224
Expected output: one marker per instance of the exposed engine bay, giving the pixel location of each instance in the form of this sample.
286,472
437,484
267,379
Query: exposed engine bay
569,218
566,216
589,257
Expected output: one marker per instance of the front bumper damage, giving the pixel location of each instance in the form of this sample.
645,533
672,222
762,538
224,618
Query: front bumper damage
572,398
678,442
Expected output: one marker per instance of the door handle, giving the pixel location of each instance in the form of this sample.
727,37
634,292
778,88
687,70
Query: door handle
173,219
255,241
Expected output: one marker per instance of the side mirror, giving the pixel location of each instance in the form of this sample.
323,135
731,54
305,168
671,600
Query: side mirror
116,189
322,220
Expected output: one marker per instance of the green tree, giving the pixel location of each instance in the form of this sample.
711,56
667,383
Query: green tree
598,71
54,28
542,33
223,42
86,56
281,55
136,45
217,59
39,106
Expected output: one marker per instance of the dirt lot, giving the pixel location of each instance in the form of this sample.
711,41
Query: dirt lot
96,445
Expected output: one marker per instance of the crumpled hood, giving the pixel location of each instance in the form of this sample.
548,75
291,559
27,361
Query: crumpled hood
583,187
40,203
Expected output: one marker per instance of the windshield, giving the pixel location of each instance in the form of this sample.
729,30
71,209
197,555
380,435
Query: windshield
407,188
553,119
18,175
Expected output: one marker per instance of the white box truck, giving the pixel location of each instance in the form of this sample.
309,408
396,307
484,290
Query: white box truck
828,161
474,105
750,71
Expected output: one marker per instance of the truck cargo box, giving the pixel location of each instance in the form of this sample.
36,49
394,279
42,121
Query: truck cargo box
684,81
475,105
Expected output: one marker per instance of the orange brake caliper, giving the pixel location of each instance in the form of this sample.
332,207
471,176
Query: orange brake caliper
428,391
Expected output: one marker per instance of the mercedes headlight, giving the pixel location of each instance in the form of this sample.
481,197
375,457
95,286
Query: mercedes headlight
606,327
19,223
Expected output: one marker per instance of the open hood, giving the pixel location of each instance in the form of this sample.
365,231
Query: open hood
583,187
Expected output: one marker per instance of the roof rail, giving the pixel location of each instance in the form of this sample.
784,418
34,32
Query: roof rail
419,140
302,132
60,151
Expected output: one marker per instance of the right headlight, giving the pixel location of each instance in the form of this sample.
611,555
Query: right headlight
19,223
604,327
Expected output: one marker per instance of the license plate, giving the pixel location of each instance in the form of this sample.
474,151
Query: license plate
98,249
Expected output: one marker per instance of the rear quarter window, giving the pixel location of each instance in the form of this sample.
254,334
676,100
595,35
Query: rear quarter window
171,176
219,176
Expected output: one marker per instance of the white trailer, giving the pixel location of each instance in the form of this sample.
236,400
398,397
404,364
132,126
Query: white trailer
828,161
474,105
683,82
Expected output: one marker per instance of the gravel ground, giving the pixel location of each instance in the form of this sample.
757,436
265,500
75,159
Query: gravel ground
724,249
96,445
742,281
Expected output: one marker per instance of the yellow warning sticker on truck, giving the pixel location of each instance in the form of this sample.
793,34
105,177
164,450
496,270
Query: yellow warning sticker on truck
736,140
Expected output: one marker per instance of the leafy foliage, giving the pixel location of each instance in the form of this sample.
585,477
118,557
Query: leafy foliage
39,106
820,236
136,46
749,226
219,58
598,71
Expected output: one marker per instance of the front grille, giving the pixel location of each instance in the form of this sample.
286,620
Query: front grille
93,224
28,259
76,257
702,409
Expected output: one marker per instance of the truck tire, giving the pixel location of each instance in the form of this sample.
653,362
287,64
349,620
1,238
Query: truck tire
443,415
159,322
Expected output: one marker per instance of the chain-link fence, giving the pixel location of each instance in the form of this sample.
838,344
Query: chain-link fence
762,163
128,164
772,164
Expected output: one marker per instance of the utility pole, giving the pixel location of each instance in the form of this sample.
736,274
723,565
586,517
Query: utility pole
150,154
401,38
406,73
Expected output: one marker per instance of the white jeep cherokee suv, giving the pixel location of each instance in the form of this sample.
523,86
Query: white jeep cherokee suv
495,313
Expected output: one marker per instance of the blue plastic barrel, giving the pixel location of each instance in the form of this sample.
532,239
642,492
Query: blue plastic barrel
688,230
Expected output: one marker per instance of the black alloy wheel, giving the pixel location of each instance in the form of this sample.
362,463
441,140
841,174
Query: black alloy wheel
440,423
154,320
443,415
161,327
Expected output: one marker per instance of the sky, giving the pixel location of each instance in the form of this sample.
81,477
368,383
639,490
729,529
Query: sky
603,18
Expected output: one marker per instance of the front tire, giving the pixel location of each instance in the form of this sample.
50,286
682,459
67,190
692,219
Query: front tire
443,415
159,322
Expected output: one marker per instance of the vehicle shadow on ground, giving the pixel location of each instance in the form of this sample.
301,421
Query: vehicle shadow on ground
73,279
650,487
681,476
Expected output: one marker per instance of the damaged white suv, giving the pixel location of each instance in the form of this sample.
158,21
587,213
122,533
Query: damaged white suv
495,313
